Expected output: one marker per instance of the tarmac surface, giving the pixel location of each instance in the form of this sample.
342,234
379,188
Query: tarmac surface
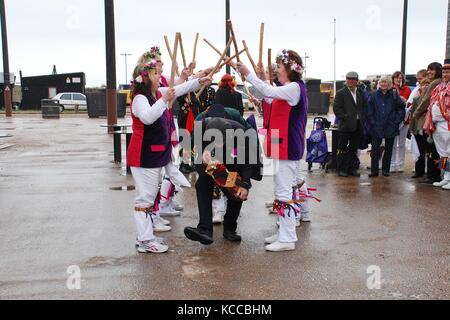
58,209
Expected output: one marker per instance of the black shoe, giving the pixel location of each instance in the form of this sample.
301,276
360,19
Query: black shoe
386,174
201,236
417,176
232,236
185,168
355,174
374,175
427,181
343,174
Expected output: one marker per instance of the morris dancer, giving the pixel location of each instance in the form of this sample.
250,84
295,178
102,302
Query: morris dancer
285,140
439,127
150,148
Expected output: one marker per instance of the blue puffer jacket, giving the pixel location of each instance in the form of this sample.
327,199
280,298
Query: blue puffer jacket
385,114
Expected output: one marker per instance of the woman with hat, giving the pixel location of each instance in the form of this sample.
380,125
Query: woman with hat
150,148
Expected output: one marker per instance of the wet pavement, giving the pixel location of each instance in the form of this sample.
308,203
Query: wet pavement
63,202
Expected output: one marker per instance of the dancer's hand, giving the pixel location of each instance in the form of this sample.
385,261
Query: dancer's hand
169,96
207,158
205,81
242,194
253,100
242,69
186,73
261,72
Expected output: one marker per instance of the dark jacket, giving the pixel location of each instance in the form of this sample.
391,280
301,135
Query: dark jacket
347,111
385,114
247,170
234,101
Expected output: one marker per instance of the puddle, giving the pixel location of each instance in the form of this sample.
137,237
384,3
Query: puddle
123,188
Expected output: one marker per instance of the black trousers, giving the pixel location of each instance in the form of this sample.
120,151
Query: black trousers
376,154
205,189
429,154
347,149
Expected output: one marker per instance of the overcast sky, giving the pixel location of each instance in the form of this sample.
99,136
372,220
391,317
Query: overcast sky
70,34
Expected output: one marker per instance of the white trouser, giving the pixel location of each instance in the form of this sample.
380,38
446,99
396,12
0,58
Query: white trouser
220,205
284,178
447,176
171,175
147,186
398,153
300,179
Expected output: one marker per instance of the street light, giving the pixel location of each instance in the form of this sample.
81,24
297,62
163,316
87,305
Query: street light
306,58
126,55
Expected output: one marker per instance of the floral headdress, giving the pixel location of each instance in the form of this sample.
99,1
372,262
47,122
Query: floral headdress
286,58
150,66
153,53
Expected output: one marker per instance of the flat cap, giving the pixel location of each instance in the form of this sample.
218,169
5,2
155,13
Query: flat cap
352,75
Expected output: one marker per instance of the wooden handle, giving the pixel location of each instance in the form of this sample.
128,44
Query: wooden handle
216,68
270,66
195,47
213,47
261,43
230,27
166,39
227,61
249,56
174,60
183,56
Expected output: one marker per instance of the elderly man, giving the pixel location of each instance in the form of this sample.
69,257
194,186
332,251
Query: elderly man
350,109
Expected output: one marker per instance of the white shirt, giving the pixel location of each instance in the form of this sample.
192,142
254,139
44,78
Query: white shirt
149,114
353,94
413,95
289,92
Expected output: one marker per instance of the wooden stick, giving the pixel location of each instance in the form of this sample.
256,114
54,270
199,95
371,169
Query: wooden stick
213,47
183,56
261,43
170,51
230,27
195,47
216,68
227,61
249,56
270,66
174,60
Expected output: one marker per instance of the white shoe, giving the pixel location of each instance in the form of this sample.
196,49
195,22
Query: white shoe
152,247
176,206
168,211
298,223
441,184
269,205
400,170
157,239
446,187
163,221
271,239
159,227
218,217
281,246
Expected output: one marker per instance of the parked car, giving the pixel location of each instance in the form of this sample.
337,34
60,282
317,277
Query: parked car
71,101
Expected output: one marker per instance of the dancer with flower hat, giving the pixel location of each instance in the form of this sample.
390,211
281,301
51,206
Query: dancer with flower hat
285,140
150,149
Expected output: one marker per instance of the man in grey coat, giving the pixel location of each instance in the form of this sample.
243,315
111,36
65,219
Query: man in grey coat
350,109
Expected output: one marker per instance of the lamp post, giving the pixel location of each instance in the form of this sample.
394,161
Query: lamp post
111,81
335,42
126,55
405,31
306,58
447,55
6,75
227,31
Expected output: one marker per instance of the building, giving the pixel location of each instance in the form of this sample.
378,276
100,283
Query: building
34,89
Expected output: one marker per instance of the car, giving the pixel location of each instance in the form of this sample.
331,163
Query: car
71,101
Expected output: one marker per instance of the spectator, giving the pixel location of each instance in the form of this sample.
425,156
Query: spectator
434,74
385,113
228,96
350,109
398,155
